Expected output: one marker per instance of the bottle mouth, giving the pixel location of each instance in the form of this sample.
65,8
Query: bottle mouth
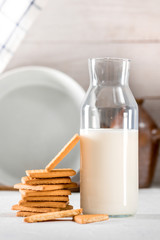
99,59
109,71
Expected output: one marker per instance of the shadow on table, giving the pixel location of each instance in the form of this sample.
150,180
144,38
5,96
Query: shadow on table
147,216
8,214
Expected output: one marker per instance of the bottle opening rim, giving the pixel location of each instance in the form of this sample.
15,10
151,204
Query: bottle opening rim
109,59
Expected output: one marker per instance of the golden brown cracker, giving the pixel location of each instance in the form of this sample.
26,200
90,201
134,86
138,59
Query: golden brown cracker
34,209
32,193
45,187
44,181
26,214
42,173
83,219
65,150
43,204
46,199
41,210
52,216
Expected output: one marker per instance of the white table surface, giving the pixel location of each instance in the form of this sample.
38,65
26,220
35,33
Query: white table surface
145,225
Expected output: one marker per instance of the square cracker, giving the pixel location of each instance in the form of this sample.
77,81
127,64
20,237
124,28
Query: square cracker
83,219
65,150
42,173
43,181
41,210
43,204
28,193
46,199
45,187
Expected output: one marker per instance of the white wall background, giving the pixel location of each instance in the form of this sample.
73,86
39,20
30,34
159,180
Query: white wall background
68,32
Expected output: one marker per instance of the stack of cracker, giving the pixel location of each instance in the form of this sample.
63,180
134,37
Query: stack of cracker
45,193
47,190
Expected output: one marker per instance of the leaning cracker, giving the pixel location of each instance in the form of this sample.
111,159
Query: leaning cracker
34,181
52,216
46,199
43,204
41,210
82,219
28,193
45,187
65,150
42,173
26,214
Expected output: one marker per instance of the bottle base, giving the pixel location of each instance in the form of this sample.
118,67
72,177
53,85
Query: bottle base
111,214
121,216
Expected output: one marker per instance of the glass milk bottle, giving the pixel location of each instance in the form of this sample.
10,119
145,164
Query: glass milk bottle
109,141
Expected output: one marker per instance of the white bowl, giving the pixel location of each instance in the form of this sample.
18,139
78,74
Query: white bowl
39,113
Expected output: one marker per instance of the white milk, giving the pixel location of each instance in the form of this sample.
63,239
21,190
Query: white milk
109,171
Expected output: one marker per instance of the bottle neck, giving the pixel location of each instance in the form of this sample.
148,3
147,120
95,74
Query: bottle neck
109,71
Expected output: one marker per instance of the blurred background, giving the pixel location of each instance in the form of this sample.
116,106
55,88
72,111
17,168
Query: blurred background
65,33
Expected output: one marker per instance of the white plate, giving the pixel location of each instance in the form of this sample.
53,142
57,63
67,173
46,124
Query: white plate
39,113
